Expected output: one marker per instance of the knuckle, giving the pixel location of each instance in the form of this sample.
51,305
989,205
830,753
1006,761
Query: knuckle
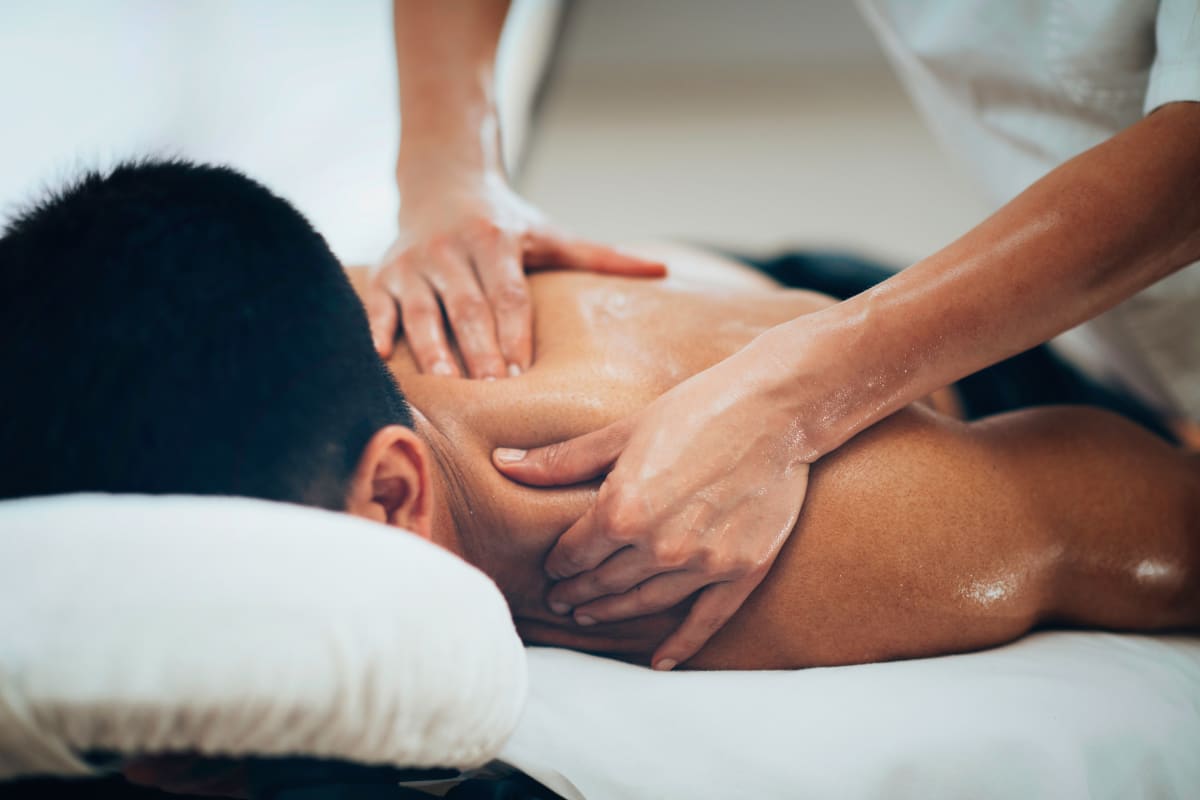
711,561
387,282
551,458
378,307
420,317
588,585
558,459
622,521
440,245
708,625
634,602
667,553
407,262
468,309
603,584
417,305
738,567
511,295
381,279
484,231
570,560
699,630
394,259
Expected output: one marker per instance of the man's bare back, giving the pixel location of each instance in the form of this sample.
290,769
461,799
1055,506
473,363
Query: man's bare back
921,536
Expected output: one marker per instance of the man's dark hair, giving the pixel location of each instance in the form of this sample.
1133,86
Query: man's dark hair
169,327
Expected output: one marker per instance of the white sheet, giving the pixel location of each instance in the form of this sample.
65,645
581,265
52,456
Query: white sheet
1056,716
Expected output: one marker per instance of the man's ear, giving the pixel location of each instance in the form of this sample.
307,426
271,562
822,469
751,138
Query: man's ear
393,483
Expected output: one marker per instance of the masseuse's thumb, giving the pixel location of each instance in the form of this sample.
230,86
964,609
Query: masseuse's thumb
573,461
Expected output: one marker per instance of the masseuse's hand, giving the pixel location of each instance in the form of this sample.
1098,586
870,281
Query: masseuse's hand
705,487
465,241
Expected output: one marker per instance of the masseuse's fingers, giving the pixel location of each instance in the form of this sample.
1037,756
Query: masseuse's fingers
382,317
588,544
550,249
422,320
468,311
507,289
712,609
573,461
661,592
623,571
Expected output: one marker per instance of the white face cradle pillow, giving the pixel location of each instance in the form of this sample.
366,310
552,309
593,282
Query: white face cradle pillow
233,627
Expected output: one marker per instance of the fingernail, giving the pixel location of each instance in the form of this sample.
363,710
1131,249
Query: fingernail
584,619
489,377
442,368
560,608
507,455
666,665
514,370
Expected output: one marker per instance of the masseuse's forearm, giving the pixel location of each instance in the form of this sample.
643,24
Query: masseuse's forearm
1088,235
445,56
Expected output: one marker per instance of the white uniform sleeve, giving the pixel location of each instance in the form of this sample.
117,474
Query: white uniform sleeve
1176,71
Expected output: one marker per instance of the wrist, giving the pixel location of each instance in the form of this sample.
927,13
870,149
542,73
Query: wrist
446,169
449,182
453,135
455,159
820,369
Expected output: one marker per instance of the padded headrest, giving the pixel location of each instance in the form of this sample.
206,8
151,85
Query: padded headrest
234,627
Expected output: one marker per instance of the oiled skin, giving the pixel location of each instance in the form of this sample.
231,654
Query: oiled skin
922,536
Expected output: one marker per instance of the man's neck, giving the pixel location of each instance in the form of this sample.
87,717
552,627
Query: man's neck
472,529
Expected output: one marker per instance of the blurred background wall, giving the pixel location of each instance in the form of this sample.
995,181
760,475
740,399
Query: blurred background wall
751,125
754,125
301,95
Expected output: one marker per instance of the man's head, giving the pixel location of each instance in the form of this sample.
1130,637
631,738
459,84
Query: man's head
173,328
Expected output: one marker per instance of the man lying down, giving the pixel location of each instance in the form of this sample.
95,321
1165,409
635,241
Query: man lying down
177,328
